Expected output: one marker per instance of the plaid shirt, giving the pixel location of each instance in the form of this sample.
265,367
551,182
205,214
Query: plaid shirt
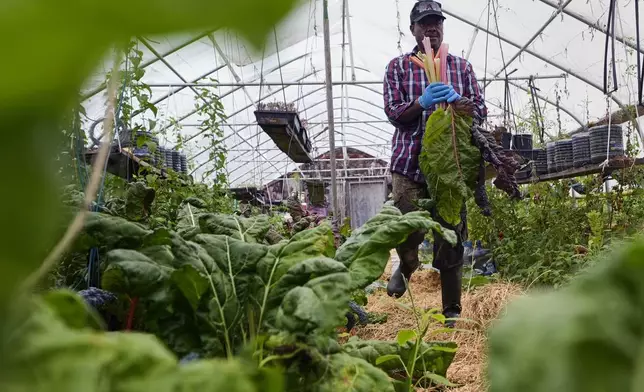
404,83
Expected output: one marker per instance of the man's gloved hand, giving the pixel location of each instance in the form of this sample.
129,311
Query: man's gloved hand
452,95
438,92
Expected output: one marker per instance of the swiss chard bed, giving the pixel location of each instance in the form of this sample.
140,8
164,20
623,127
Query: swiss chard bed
216,289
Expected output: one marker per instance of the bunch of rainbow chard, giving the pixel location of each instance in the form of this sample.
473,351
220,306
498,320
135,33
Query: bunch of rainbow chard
455,150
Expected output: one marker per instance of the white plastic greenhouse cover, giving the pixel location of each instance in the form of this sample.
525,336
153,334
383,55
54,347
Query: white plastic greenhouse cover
557,37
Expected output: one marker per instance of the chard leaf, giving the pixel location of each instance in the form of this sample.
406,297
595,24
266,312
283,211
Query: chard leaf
586,336
111,232
305,245
191,284
345,373
162,254
367,251
188,215
138,201
450,162
319,305
300,274
133,273
240,228
222,269
48,354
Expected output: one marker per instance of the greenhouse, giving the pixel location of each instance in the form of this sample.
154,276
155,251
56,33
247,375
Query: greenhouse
302,196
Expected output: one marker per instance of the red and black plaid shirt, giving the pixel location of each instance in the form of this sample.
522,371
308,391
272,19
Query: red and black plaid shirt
404,82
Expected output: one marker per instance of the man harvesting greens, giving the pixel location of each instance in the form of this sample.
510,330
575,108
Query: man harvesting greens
409,100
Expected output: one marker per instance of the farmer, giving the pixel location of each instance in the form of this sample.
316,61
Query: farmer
409,100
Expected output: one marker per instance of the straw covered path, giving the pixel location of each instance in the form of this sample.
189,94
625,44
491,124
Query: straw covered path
481,306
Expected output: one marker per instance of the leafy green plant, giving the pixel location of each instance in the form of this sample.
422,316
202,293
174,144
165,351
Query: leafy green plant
585,336
450,162
216,289
59,345
549,237
596,238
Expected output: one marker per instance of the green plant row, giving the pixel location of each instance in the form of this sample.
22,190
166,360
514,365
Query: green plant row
549,236
215,288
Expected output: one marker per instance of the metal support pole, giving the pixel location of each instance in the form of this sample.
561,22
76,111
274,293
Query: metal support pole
350,178
351,59
592,24
326,171
531,40
555,64
384,145
469,49
310,123
344,100
338,83
318,160
329,107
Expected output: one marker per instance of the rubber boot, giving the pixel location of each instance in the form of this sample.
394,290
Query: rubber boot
451,281
396,286
409,262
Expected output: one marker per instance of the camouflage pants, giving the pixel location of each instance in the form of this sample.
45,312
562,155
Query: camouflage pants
405,193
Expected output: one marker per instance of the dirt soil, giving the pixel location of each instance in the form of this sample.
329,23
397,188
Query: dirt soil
481,306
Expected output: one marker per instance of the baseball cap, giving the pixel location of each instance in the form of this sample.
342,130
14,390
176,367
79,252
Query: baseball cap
425,8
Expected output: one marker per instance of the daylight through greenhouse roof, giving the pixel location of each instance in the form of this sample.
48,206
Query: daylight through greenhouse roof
557,47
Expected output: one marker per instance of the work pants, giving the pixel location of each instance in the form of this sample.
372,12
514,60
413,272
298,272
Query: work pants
447,259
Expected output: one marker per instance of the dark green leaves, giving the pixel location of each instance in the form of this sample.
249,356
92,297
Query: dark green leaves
246,229
110,232
346,373
222,294
450,162
366,252
84,360
317,299
132,273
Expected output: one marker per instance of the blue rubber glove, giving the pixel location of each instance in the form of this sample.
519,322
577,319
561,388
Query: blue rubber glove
436,92
452,95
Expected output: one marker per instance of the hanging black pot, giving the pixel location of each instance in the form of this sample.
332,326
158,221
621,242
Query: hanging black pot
541,160
184,163
160,157
551,157
522,141
581,149
176,161
600,145
563,154
526,154
168,159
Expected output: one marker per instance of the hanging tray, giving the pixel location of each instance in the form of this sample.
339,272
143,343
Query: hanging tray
286,130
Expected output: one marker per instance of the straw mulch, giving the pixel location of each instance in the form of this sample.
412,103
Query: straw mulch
481,306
